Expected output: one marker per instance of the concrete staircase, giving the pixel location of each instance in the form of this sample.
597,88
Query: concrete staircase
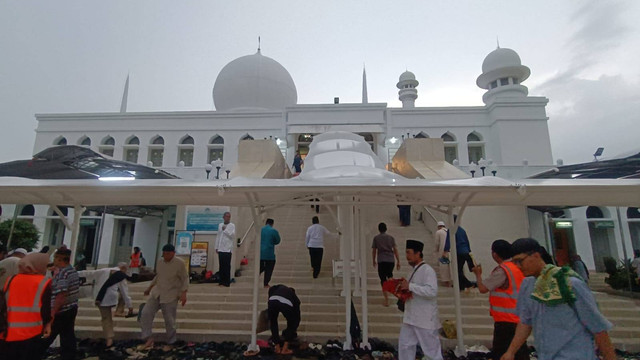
218,313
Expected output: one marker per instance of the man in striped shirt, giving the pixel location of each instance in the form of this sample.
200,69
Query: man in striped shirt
65,288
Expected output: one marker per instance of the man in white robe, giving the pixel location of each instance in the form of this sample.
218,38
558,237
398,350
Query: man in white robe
420,323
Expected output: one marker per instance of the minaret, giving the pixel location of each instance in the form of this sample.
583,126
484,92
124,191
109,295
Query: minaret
408,92
125,96
365,96
502,75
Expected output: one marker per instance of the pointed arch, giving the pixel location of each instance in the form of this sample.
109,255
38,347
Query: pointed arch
84,141
157,140
60,140
450,147
246,137
448,137
133,140
421,135
474,136
187,140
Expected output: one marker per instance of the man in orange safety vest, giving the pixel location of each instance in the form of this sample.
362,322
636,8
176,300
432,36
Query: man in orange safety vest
502,285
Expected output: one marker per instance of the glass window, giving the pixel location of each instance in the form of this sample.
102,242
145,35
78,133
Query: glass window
447,137
186,155
155,156
216,149
422,135
131,155
85,142
450,153
107,146
187,140
107,151
494,84
515,81
476,152
633,213
108,141
61,141
504,81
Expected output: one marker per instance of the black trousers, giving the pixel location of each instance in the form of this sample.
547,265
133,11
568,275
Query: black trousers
503,333
267,266
29,349
292,314
225,268
316,260
385,271
64,325
464,282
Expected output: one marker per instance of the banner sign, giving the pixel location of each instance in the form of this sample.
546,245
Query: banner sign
183,242
199,251
205,218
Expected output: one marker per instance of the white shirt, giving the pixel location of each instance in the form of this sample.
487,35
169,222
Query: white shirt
422,309
226,238
315,236
441,239
111,296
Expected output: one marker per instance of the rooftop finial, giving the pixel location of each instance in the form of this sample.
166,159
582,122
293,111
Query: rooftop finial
498,42
258,43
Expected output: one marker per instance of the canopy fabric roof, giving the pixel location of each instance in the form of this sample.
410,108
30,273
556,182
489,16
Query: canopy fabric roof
234,192
627,167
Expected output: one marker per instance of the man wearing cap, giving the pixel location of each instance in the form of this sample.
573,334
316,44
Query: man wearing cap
9,266
28,296
420,322
107,298
443,255
168,286
225,242
558,307
503,285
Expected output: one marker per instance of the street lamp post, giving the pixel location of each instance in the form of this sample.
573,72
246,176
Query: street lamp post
218,165
493,168
227,171
473,168
483,165
208,169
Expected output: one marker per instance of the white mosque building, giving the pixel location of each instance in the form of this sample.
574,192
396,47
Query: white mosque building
256,98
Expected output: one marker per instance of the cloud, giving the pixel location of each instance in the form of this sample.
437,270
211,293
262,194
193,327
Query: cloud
590,104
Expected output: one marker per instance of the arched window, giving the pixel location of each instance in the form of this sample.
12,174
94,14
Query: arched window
475,147
216,149
594,212
450,147
27,210
246,137
368,137
156,151
421,135
305,138
84,141
185,150
131,149
107,145
633,213
60,141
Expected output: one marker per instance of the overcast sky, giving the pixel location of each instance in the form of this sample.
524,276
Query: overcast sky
74,56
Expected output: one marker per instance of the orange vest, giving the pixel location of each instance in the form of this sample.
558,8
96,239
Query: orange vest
503,301
24,301
135,260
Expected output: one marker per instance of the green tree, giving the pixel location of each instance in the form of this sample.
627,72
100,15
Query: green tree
25,234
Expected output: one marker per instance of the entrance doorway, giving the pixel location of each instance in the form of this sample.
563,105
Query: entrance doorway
601,234
123,240
87,238
564,244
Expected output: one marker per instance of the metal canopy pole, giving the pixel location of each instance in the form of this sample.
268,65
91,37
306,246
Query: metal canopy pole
77,212
253,346
363,276
460,350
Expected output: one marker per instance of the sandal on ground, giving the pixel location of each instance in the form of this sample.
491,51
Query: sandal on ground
249,353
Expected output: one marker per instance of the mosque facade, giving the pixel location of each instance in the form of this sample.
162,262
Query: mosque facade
256,98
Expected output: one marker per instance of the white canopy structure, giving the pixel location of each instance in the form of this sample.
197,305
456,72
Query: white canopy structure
260,194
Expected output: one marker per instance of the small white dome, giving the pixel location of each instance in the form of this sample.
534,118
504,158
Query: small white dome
407,75
254,82
500,58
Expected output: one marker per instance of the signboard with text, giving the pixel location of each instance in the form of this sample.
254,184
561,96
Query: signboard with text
205,218
199,251
183,242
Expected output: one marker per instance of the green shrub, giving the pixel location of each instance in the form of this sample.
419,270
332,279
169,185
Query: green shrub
610,265
25,234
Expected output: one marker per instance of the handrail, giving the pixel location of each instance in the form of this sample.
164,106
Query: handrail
246,234
429,211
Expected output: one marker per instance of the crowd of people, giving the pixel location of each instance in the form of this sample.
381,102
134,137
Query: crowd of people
527,294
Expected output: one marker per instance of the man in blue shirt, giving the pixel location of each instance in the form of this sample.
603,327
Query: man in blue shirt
463,251
557,305
269,238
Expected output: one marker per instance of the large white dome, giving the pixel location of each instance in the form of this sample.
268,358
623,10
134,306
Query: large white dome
254,82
